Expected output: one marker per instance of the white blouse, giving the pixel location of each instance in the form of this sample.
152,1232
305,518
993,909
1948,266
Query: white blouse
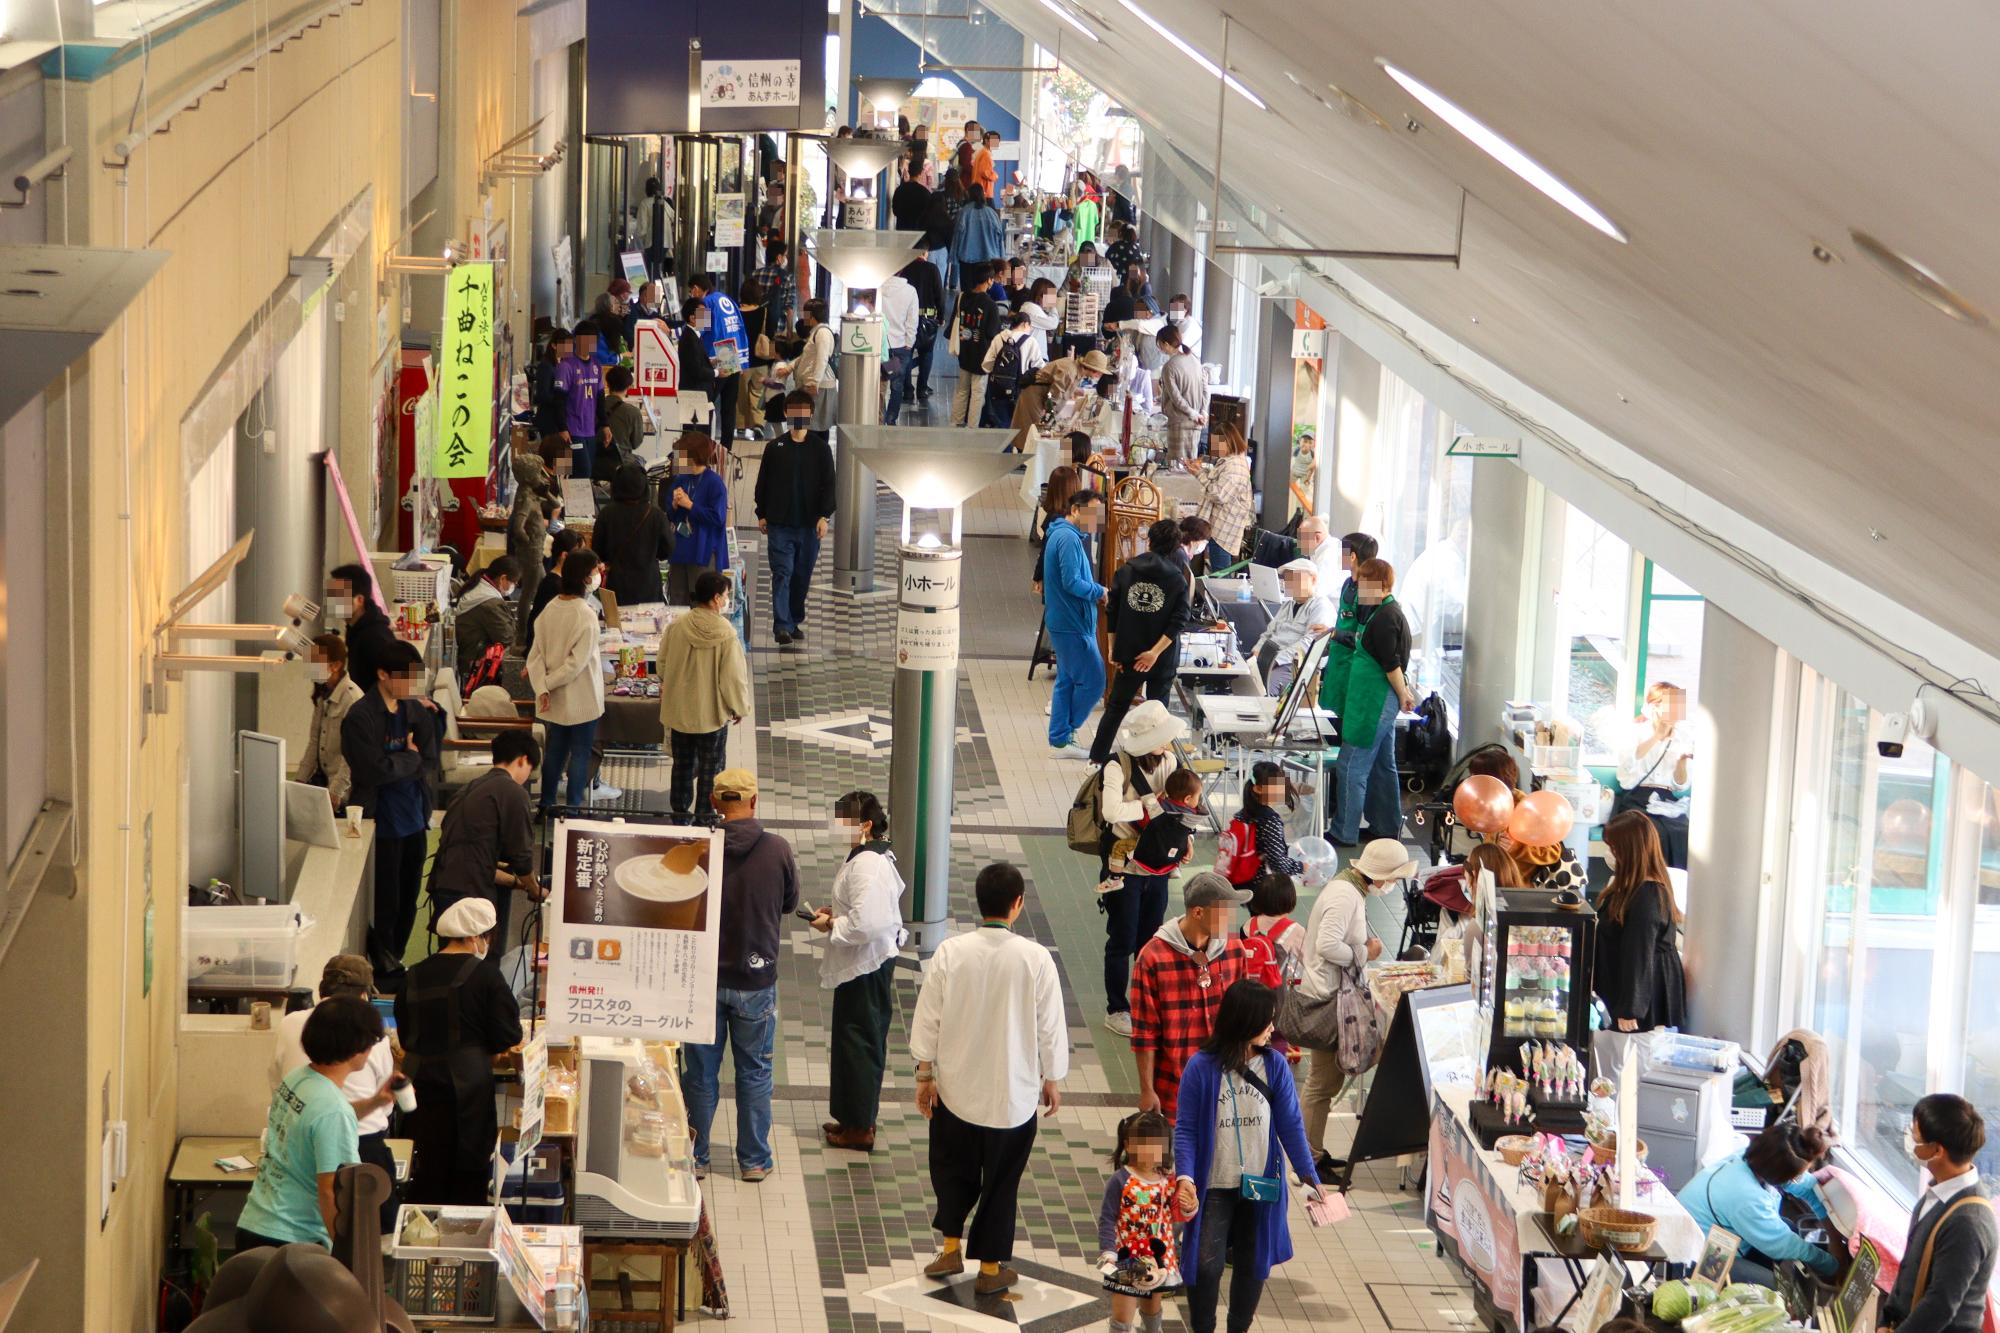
867,912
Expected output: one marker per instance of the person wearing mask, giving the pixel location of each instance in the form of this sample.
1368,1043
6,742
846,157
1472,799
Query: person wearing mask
569,539
1131,299
350,603
760,888
1365,689
978,324
1337,944
1051,387
1132,798
1043,298
610,314
1638,973
581,380
896,299
1743,1193
621,426
536,501
1302,616
1195,534
780,288
1653,769
812,371
1008,362
453,1017
727,347
753,304
633,535
701,654
567,676
1178,983
697,371
311,1131
922,274
991,1046
1179,314
1183,390
1948,1256
1014,283
863,925
976,236
1238,1118
700,512
485,614
390,742
1070,598
550,398
486,845
1145,614
1228,501
333,693
794,503
349,976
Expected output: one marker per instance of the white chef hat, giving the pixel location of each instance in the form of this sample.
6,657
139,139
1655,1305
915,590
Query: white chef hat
468,918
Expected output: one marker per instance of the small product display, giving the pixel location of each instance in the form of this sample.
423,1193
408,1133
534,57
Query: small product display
1538,981
1530,957
1569,1182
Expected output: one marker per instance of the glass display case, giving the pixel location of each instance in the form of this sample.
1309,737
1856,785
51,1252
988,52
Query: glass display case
635,1159
1533,972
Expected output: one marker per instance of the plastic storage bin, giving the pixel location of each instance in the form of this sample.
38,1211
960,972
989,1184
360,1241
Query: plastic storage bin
241,948
1684,1051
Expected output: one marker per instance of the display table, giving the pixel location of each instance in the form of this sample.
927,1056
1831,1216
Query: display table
1486,1220
194,1174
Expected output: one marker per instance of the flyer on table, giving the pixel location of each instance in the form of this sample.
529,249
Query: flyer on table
632,948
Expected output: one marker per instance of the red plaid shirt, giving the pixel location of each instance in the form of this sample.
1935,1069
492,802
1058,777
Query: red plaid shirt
1173,1011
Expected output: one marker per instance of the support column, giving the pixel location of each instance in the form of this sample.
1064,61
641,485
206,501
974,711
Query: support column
1729,822
1271,412
925,718
854,482
1495,593
1349,453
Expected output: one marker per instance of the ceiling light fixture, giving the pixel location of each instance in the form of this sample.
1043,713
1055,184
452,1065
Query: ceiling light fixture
1505,153
1062,12
1215,70
1919,281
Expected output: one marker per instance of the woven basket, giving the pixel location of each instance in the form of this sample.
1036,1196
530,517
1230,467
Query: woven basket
1619,1228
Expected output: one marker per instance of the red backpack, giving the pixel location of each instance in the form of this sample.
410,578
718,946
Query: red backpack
1240,862
1265,958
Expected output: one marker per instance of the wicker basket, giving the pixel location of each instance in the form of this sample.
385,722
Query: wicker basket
1619,1228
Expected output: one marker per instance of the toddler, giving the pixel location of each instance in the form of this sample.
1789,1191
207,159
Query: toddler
1137,1223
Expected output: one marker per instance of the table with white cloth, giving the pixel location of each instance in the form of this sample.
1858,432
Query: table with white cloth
1524,1274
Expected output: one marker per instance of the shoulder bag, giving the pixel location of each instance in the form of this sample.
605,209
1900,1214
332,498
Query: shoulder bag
1638,796
1360,1023
1254,1188
1930,1241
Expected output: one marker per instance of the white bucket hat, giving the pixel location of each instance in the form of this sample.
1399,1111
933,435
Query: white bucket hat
1385,860
1148,727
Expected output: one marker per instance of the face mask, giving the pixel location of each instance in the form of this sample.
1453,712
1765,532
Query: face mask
509,594
1197,549
595,582
321,672
1176,316
481,949
1913,1148
339,610
1089,382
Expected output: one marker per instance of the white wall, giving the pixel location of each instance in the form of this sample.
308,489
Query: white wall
211,703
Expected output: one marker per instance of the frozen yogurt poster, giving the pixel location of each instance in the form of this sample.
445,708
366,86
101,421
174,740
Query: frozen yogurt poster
632,947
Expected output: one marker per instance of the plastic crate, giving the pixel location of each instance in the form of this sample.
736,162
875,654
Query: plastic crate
241,948
1556,758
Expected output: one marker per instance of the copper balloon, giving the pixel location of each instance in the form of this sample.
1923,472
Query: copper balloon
1483,803
1541,819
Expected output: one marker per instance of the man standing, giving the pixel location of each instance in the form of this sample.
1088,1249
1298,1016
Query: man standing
1948,1258
760,888
780,292
621,426
703,657
794,500
1325,553
581,380
922,274
978,324
1184,395
727,347
1146,612
391,746
1356,549
1177,985
1070,598
349,603
348,976
486,847
990,1044
984,175
897,300
485,614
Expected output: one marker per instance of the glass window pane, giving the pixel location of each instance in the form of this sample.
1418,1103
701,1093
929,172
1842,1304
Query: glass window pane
1592,603
1666,585
1982,1035
1673,644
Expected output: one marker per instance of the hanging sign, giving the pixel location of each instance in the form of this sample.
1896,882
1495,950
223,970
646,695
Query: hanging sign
464,433
656,359
749,83
1484,446
927,610
632,951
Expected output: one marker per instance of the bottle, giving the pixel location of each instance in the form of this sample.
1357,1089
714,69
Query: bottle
562,1303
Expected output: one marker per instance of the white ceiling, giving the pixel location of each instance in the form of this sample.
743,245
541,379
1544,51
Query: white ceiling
1819,400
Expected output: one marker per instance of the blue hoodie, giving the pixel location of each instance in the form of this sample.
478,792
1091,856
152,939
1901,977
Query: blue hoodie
1069,594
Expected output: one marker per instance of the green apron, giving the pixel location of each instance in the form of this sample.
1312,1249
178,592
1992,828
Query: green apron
1354,687
1339,656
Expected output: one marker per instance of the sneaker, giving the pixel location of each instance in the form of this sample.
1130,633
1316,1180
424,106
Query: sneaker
782,636
1048,708
1120,1023
988,1284
755,1174
949,1263
701,1170
600,790
799,634
1069,751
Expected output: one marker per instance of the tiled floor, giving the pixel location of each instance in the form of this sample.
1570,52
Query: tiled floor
831,1240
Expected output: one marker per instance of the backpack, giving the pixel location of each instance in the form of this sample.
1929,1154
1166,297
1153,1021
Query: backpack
1266,958
1240,861
1005,377
1086,827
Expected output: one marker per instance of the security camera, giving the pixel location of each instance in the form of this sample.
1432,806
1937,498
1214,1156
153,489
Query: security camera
1895,726
1271,288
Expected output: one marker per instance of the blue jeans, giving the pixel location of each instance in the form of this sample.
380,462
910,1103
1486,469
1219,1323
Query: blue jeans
899,374
1132,915
568,755
1368,782
1079,684
793,553
748,1021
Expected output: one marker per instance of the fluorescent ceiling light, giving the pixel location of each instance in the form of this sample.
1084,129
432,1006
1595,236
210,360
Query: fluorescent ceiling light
1069,18
1214,69
1503,152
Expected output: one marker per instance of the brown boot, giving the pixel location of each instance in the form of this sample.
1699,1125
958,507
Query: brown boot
853,1140
987,1284
949,1263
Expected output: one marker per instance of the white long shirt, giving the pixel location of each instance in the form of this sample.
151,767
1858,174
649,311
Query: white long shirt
1654,763
898,300
1336,937
1292,625
867,912
1041,323
990,1021
362,1084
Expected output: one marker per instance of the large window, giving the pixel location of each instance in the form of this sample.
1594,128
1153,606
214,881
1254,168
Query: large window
1420,508
1593,607
1669,635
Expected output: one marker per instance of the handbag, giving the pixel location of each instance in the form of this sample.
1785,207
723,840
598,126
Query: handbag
1360,1043
1306,1022
1637,796
1254,1188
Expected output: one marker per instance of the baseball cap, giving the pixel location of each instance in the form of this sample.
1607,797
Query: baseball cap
1208,889
347,971
735,784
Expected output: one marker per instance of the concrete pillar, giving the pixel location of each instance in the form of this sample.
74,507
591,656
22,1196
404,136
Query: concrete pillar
1348,449
854,482
1731,889
1496,639
1271,412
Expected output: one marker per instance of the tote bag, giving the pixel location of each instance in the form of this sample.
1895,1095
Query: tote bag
1360,1044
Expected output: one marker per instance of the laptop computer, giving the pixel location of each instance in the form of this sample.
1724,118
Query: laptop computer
1264,584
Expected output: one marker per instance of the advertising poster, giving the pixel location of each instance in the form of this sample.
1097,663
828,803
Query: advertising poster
632,946
729,221
464,431
749,83
1470,1213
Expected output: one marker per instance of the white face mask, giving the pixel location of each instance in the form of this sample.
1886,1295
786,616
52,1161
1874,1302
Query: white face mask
321,672
1196,549
481,949
338,608
1176,316
595,582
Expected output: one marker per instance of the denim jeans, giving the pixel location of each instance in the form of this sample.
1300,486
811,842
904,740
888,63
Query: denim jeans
1132,915
568,756
1368,783
748,1021
1079,684
899,374
793,553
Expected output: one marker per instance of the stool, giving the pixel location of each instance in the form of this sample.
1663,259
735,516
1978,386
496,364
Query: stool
615,1290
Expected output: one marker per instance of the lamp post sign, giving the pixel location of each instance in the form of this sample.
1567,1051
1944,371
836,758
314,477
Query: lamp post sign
927,610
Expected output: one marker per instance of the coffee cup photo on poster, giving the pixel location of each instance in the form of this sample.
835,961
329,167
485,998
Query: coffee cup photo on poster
656,881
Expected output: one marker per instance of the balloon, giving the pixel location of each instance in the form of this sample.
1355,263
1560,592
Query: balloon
1482,803
1905,824
1541,819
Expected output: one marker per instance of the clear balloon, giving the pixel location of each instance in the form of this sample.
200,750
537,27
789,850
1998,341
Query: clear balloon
1483,803
1541,819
